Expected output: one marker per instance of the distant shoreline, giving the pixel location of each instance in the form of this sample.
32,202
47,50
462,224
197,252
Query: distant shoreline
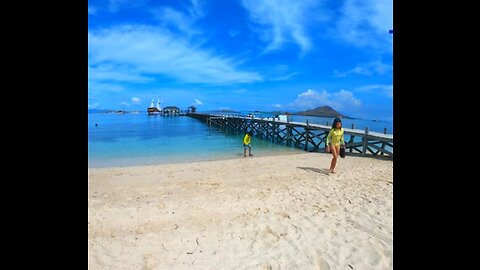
237,112
188,160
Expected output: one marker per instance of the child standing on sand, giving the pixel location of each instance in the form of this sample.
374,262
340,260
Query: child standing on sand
246,143
334,140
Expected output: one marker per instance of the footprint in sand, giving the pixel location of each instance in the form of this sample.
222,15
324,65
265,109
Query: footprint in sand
150,261
270,237
265,266
322,264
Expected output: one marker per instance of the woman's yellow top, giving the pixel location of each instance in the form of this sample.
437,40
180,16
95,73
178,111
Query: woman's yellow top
335,137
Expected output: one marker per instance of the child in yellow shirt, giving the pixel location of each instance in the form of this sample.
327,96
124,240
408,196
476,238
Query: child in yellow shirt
246,144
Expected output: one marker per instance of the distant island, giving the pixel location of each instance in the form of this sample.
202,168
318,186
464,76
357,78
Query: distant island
227,111
110,111
99,111
324,111
220,111
281,112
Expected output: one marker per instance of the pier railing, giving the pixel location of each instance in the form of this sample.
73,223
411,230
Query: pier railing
309,137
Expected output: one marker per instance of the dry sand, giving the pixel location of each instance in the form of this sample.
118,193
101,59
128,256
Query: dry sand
278,212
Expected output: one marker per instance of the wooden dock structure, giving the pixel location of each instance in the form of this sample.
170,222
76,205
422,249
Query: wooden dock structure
306,136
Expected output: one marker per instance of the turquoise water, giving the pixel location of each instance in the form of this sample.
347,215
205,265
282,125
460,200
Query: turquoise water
140,139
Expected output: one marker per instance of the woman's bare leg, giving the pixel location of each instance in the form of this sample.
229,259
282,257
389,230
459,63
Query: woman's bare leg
335,150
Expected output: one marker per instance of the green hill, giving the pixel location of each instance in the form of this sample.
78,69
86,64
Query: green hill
324,111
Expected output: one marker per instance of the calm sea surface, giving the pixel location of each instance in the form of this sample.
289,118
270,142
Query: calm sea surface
139,139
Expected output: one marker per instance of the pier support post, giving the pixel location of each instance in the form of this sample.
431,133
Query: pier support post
365,140
306,136
289,131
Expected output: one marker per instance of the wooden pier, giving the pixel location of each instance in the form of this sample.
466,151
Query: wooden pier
309,137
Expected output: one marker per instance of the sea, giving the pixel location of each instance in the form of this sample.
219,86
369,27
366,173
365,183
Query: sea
137,139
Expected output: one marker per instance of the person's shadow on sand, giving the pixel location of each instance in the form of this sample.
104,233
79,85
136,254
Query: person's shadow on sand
311,169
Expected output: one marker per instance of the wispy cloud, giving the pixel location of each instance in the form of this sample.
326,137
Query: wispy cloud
240,91
386,90
176,20
366,23
181,21
96,87
311,99
198,102
356,70
197,8
284,21
152,52
280,72
285,77
116,5
93,106
136,100
120,73
368,69
233,32
92,10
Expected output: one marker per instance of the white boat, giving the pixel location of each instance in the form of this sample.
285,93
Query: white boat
154,110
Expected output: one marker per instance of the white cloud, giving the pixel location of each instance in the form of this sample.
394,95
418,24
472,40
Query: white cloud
148,50
366,23
93,106
278,106
123,103
386,90
311,99
198,102
368,69
92,10
136,100
285,21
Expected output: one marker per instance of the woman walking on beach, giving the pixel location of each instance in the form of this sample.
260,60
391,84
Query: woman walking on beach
334,141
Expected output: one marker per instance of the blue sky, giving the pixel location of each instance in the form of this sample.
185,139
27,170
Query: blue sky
242,55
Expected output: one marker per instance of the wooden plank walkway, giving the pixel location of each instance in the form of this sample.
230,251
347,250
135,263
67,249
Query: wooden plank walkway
310,137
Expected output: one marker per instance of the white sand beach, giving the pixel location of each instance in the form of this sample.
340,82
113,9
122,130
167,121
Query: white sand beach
276,212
